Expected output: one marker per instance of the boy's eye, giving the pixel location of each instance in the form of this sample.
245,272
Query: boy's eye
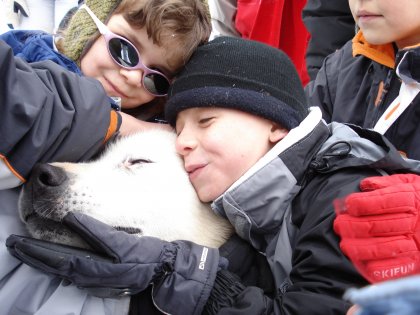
205,120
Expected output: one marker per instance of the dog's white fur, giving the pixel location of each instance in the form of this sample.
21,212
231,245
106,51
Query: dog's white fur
138,183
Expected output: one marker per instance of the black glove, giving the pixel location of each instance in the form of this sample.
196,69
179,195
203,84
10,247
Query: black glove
181,272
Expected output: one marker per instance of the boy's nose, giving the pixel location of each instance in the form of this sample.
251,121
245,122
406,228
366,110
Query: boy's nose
133,77
185,143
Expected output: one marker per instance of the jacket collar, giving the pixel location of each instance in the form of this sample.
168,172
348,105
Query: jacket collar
259,200
383,54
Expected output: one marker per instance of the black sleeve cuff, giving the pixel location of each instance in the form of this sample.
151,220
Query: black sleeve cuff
226,288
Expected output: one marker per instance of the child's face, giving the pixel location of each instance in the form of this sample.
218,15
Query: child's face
387,21
219,145
120,82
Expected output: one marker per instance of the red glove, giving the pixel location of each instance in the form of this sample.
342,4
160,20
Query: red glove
379,227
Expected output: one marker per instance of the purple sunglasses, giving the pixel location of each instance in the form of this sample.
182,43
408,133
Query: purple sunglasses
125,54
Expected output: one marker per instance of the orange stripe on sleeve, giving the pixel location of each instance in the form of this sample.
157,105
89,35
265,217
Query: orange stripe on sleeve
10,167
113,125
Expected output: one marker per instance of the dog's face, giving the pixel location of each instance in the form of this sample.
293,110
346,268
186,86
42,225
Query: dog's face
138,185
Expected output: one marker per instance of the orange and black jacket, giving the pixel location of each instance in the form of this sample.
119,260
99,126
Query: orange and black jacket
357,83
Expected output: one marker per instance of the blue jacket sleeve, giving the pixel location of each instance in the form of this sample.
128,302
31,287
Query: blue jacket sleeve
48,114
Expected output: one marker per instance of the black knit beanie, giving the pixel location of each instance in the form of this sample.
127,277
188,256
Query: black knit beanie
240,74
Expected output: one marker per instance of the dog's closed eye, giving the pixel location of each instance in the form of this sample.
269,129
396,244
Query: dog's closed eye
133,162
138,161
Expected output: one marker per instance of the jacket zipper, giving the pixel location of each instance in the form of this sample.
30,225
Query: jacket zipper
385,90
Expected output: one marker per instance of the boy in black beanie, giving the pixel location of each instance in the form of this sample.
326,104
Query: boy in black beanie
273,168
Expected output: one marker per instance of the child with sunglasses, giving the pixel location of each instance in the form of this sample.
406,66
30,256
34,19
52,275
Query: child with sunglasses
52,114
134,54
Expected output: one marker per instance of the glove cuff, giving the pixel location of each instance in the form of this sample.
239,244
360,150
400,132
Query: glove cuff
226,288
190,279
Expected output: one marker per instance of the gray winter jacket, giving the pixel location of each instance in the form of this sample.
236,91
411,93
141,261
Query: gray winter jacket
47,114
283,206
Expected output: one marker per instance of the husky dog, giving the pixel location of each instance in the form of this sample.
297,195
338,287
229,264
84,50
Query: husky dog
137,185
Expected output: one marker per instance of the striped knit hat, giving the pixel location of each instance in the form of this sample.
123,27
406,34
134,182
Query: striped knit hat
81,30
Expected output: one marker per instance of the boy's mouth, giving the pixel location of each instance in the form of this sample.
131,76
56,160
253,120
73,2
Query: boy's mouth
194,169
366,15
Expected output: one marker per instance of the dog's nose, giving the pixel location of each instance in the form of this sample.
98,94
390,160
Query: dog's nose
47,175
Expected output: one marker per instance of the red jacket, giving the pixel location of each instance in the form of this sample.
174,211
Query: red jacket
277,23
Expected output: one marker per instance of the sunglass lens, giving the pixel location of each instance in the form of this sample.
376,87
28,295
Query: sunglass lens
123,52
156,84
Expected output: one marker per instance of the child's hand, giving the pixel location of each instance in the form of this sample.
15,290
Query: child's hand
122,264
131,125
380,226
